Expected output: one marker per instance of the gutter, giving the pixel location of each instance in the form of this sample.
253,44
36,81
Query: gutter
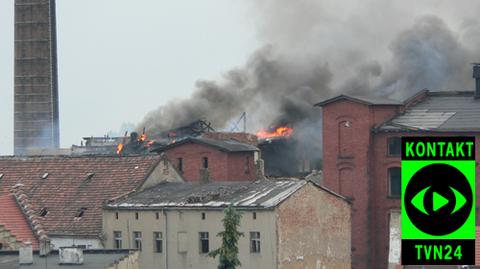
165,222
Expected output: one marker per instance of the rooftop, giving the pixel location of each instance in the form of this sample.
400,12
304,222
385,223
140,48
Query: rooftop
244,194
452,111
222,145
93,259
66,193
368,100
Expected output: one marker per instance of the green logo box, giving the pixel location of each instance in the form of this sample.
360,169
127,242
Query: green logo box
438,200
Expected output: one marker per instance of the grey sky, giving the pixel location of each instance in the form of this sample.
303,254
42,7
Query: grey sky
119,59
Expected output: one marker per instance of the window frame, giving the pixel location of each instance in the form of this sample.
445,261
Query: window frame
397,138
117,239
158,242
205,163
255,242
389,182
204,242
180,164
137,240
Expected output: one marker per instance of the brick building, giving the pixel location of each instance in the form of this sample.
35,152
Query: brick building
213,159
361,143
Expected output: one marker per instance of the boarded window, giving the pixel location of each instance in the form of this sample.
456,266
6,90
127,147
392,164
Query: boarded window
158,242
394,146
394,182
346,182
204,243
182,242
117,238
255,242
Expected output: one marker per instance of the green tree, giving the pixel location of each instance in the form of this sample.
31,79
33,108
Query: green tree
228,252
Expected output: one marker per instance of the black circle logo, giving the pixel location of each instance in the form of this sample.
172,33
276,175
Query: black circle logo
438,199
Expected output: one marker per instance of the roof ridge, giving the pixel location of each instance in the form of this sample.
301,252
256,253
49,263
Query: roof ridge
35,222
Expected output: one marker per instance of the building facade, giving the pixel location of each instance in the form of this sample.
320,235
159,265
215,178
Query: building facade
286,224
361,137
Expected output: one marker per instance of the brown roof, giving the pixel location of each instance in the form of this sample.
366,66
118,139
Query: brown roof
63,185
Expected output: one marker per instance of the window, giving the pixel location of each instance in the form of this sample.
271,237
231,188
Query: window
205,162
203,215
254,215
255,242
117,239
43,212
158,242
247,165
394,182
157,215
116,215
180,164
136,215
137,240
204,248
394,146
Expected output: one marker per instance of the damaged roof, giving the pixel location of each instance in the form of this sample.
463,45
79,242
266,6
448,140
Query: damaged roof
244,194
222,145
368,100
451,111
64,187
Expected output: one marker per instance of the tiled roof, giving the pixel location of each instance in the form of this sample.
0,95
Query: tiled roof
439,111
63,185
368,100
223,145
12,218
245,194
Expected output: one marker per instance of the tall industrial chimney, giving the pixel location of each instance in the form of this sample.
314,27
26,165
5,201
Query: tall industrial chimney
36,123
476,76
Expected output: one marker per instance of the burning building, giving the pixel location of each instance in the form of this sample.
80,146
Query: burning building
36,88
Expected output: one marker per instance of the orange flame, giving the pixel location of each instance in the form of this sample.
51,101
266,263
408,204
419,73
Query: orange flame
119,148
142,138
282,131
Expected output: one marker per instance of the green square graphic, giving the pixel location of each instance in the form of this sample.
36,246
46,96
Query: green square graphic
409,169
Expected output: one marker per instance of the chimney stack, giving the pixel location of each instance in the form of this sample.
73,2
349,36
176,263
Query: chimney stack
476,76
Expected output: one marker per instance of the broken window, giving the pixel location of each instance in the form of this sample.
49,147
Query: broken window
137,240
180,164
80,212
117,238
116,215
394,146
394,182
254,242
247,165
203,215
157,215
205,162
254,215
158,242
136,215
204,246
43,212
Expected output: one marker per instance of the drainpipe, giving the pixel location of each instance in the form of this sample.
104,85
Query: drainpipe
165,223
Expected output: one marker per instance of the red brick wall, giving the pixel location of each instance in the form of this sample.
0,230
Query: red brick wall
346,143
221,165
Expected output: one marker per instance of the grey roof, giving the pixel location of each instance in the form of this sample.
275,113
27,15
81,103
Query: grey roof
368,100
439,111
93,259
223,145
244,194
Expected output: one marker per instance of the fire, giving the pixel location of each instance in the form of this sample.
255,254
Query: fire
282,131
119,148
142,138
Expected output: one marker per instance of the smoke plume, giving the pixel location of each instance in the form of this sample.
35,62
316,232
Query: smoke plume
318,48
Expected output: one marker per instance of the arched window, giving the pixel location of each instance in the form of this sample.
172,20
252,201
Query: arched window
345,136
394,182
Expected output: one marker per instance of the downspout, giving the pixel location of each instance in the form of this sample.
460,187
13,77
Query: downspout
165,223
